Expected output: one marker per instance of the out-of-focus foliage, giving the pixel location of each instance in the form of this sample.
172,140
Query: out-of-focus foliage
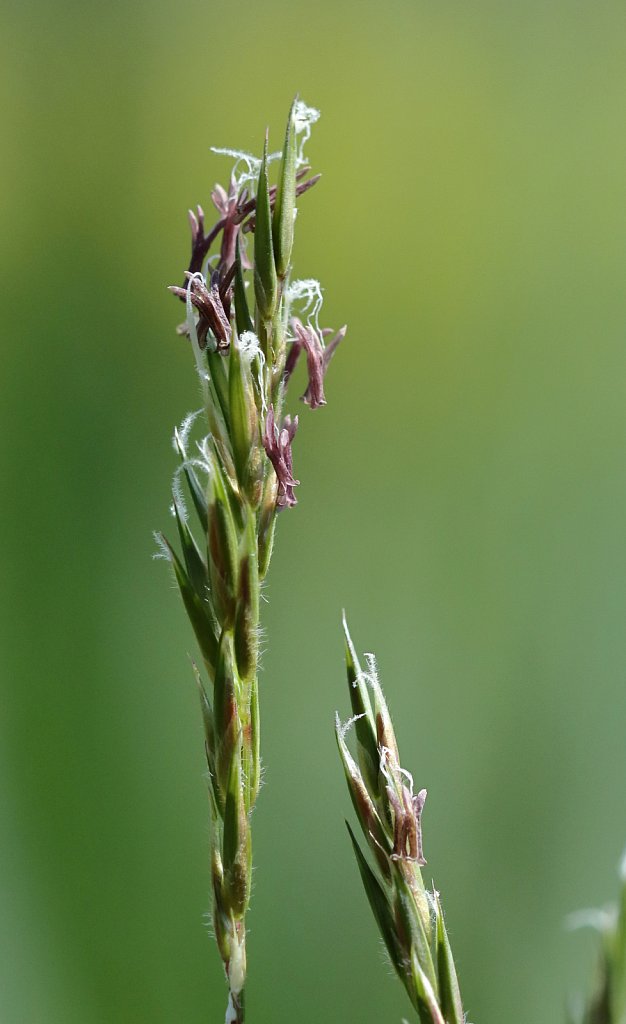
463,495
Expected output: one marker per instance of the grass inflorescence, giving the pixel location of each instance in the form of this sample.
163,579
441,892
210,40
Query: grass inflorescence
247,323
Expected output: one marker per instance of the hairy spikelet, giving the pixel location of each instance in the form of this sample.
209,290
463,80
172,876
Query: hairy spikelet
389,812
233,481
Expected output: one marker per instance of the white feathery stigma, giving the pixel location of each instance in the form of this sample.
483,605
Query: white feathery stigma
306,295
248,345
250,349
304,117
246,167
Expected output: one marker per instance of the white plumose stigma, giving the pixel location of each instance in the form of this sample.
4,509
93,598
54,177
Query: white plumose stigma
250,349
248,345
246,167
386,759
304,117
306,293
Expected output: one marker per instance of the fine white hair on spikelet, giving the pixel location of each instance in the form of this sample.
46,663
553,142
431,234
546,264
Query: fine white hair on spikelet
162,549
344,727
181,434
261,636
432,895
371,676
207,920
206,459
387,961
180,442
193,464
179,496
304,117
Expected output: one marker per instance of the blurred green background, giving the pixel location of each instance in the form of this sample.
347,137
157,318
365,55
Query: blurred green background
463,495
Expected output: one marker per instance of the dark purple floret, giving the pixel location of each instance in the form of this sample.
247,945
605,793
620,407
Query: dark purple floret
317,359
240,214
407,812
227,204
208,302
277,443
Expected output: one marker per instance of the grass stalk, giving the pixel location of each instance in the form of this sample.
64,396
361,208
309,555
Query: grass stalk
236,478
389,812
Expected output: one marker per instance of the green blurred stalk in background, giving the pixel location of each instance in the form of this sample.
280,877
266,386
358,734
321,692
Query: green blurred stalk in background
409,917
607,1005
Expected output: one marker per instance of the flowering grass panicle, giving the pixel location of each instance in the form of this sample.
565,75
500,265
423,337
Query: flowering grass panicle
237,478
389,812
